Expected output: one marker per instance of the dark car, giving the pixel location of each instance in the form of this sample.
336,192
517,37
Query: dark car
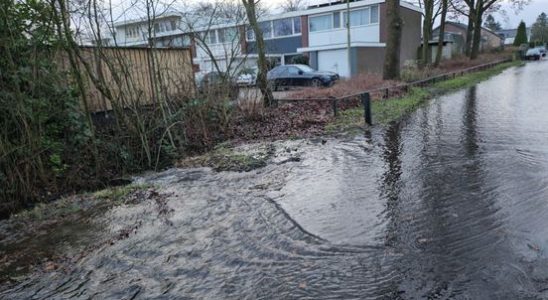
299,75
218,83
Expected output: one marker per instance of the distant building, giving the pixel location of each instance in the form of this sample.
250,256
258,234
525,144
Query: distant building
457,32
318,32
510,34
166,32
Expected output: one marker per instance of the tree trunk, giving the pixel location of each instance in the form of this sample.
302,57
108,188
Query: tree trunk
470,32
393,43
439,52
426,55
476,42
262,82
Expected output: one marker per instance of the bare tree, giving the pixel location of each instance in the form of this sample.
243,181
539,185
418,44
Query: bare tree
393,43
474,10
293,5
441,33
251,11
227,55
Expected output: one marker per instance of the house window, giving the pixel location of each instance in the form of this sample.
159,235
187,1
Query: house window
250,34
266,28
283,27
364,16
375,14
156,27
132,32
337,19
208,37
173,25
297,25
320,23
228,35
357,17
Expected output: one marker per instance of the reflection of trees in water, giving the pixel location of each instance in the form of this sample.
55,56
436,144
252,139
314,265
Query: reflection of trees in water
391,185
459,219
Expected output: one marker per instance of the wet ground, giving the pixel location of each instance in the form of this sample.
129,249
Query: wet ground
450,203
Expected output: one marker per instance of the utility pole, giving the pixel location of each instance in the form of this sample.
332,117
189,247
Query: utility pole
348,41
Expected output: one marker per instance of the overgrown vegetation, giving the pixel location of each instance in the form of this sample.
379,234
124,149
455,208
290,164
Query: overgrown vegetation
51,140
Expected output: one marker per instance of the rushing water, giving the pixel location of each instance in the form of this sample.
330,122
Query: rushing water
450,203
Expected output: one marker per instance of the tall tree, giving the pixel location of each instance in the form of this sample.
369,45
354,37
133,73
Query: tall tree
475,10
441,37
539,30
262,83
393,43
491,23
431,10
521,35
427,22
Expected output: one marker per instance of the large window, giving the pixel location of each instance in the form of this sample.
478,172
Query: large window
320,23
228,35
132,32
276,28
283,27
375,14
337,19
296,25
266,28
364,16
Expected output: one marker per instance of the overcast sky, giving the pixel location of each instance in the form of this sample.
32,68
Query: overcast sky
529,14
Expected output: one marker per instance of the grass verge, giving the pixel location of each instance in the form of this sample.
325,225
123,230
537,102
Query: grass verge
386,111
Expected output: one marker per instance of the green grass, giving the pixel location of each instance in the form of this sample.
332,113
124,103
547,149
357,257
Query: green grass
386,111
393,109
472,78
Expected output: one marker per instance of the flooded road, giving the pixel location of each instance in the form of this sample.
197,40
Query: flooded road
450,203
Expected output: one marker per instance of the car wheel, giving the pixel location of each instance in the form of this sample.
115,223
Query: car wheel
316,82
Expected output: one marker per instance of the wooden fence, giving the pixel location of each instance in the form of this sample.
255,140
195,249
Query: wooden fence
365,97
133,75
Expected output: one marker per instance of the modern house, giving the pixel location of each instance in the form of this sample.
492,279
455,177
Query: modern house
318,32
457,32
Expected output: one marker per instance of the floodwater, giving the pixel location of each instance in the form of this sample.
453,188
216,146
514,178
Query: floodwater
450,203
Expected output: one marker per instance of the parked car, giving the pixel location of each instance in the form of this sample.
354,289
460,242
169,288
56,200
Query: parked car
299,75
533,54
248,77
217,83
542,50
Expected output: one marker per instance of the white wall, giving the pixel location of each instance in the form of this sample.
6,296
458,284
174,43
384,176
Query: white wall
365,33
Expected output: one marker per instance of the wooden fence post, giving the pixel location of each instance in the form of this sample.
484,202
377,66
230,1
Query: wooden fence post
366,101
335,110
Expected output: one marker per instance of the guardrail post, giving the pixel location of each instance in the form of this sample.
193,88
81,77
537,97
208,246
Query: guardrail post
366,101
335,110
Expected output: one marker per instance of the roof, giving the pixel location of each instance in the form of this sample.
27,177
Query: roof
334,5
465,27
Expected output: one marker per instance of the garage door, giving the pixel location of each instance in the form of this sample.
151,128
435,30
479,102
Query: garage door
334,60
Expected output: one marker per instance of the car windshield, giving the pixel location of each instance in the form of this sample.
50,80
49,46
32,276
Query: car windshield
306,68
